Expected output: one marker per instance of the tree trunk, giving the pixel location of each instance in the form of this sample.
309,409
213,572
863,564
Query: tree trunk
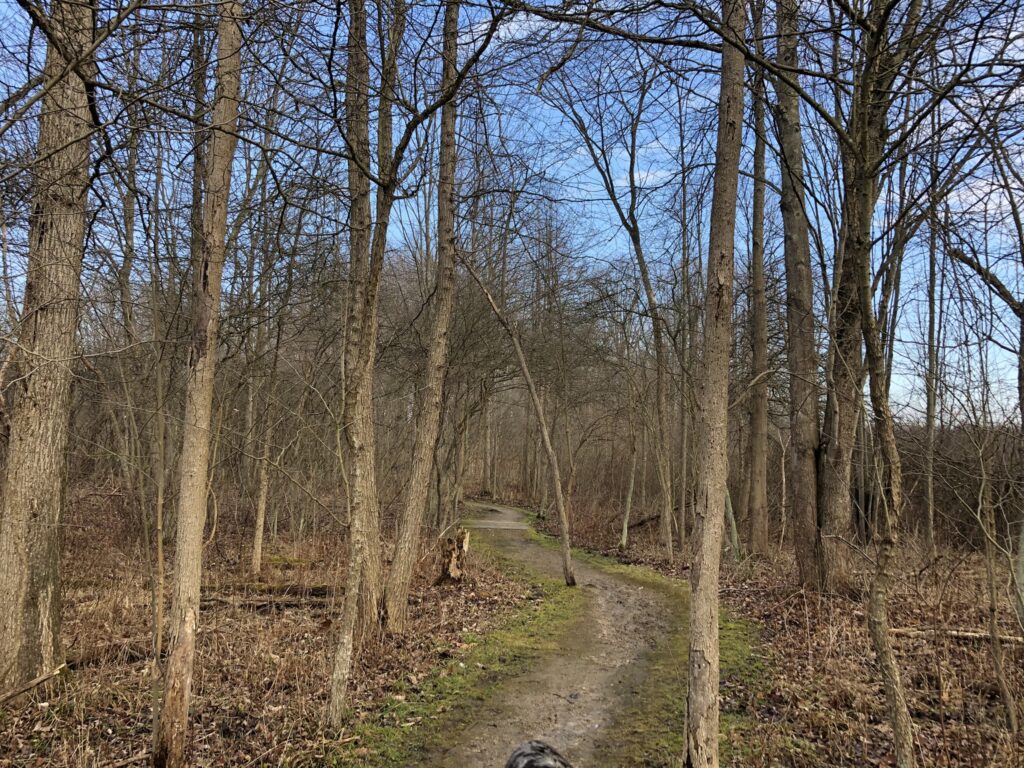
396,595
986,517
358,422
630,482
757,505
931,388
713,407
859,205
663,437
172,724
846,380
32,491
802,354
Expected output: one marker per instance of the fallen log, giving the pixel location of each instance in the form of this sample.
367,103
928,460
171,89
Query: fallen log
259,604
957,634
129,650
256,588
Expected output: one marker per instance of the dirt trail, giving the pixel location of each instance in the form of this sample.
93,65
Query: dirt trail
569,697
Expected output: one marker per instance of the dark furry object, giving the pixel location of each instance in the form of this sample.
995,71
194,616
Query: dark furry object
536,754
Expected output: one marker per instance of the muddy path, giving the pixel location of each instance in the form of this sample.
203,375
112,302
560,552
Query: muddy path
571,697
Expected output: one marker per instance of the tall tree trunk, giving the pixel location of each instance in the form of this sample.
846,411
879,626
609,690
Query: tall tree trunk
931,389
986,517
396,595
32,491
713,407
683,350
1019,567
267,443
757,505
663,437
868,121
358,406
802,354
630,481
172,724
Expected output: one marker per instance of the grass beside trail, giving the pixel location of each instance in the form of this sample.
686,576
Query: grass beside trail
416,720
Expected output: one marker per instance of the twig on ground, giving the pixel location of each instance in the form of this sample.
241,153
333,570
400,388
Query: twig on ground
32,684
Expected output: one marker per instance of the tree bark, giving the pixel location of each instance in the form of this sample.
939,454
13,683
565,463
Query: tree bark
931,390
32,491
171,731
868,121
396,595
713,405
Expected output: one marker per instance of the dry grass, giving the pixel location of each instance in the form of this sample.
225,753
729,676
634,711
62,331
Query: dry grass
261,674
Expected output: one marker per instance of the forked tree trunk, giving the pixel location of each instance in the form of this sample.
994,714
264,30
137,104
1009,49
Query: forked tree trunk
802,355
171,731
396,595
32,490
713,408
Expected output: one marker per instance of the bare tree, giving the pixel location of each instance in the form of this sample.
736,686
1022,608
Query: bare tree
713,406
171,731
757,506
429,418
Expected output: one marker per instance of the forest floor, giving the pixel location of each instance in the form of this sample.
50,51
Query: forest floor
511,654
817,699
508,655
264,653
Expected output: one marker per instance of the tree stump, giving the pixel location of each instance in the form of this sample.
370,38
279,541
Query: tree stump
453,565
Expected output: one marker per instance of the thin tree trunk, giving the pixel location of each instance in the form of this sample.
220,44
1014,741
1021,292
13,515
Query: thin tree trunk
931,387
757,508
542,425
713,408
396,595
171,732
32,490
986,516
684,333
860,200
630,483
1019,569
